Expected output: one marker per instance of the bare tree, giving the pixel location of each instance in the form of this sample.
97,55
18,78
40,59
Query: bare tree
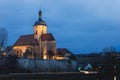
110,49
3,38
110,58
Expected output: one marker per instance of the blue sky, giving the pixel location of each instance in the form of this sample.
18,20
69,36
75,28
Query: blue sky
82,26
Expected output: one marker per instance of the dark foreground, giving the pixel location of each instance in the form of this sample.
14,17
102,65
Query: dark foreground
58,76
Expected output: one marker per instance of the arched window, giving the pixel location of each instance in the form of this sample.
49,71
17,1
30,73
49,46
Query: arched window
36,32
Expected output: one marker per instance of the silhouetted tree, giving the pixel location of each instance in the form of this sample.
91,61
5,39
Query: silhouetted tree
109,50
110,59
12,60
3,38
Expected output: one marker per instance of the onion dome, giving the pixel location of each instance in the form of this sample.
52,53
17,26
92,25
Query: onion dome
40,21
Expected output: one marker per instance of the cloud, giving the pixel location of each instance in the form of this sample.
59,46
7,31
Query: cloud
81,26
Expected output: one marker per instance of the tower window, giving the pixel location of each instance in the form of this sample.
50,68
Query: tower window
42,31
36,32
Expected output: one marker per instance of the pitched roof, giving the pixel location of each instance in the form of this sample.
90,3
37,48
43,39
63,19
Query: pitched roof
26,40
47,37
63,51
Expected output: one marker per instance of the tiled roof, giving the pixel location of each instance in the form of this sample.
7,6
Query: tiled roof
47,37
29,39
26,40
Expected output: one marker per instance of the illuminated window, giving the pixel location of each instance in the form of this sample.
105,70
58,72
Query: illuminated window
18,52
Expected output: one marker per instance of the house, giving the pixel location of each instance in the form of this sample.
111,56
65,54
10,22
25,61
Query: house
63,53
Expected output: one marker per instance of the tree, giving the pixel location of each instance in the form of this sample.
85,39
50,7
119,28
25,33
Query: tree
12,60
3,38
110,54
110,58
109,50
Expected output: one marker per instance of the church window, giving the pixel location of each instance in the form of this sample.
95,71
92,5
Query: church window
36,32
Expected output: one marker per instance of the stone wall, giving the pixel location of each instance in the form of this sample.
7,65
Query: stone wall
47,65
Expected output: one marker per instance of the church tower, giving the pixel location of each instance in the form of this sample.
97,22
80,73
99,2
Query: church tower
40,27
40,44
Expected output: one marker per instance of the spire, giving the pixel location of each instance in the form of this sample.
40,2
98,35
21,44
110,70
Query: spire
40,21
40,14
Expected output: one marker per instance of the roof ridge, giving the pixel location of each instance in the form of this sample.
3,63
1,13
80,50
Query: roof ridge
46,33
27,35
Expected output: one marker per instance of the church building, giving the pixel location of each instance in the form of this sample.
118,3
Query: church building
39,45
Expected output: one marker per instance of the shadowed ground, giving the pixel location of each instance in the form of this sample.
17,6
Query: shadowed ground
58,76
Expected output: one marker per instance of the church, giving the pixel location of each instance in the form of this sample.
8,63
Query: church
39,45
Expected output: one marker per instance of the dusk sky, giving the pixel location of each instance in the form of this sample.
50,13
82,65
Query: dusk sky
82,26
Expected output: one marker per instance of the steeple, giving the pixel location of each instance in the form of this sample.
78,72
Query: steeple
40,21
40,15
40,27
